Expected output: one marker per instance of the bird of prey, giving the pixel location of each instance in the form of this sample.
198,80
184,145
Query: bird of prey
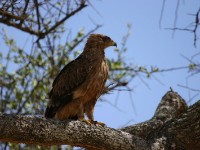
81,82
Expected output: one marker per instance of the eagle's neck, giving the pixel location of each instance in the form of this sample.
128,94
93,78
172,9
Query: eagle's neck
94,52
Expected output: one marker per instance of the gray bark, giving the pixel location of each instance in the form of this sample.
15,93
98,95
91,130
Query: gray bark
173,126
37,130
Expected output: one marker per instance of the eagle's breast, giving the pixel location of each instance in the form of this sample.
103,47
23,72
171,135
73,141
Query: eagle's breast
93,88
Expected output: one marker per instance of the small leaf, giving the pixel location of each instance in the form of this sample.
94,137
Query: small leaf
35,82
192,66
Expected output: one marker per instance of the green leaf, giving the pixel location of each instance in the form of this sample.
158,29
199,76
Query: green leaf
35,82
192,66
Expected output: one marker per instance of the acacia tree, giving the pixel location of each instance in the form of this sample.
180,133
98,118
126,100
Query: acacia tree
24,90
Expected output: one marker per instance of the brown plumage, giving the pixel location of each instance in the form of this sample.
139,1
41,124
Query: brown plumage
81,82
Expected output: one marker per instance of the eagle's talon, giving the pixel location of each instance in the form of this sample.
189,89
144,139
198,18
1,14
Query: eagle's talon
96,122
86,121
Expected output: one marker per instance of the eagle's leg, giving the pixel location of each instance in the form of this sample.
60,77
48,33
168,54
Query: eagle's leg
89,110
81,115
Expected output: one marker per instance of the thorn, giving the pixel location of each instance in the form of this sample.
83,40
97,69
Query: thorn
171,89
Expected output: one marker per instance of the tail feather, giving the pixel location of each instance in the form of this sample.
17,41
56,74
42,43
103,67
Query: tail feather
73,117
56,103
50,112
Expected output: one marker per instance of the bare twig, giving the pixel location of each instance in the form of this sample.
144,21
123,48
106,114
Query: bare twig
161,14
189,29
176,16
15,14
189,88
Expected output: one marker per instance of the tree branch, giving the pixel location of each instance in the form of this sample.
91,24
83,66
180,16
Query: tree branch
173,126
82,5
182,132
171,106
37,130
34,25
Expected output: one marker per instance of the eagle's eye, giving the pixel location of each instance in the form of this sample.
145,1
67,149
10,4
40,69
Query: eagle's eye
106,38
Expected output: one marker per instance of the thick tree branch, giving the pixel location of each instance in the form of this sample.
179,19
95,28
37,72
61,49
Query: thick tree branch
36,130
171,106
174,126
182,132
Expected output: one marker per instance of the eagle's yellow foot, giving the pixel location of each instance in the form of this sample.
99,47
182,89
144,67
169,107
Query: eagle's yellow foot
86,121
95,122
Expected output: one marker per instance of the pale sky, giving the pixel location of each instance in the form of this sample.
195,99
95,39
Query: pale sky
148,45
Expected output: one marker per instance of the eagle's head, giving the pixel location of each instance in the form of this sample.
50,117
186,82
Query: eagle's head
99,41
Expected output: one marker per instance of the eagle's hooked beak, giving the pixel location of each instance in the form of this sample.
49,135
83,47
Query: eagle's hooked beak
114,44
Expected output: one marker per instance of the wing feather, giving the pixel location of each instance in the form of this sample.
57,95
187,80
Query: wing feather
69,78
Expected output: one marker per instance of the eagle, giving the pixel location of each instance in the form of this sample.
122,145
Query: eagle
80,83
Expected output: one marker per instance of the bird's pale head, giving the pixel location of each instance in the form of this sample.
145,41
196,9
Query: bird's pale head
99,41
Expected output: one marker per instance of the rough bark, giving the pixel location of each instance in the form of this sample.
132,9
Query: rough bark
174,126
38,130
171,106
179,133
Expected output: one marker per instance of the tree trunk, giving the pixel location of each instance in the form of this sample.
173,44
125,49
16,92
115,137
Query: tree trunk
173,126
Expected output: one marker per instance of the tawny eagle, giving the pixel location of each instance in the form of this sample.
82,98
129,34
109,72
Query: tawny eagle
81,82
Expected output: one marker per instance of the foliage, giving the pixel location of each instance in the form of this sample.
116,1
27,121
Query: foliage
26,74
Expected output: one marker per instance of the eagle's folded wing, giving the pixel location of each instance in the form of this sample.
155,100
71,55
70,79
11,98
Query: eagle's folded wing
67,81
